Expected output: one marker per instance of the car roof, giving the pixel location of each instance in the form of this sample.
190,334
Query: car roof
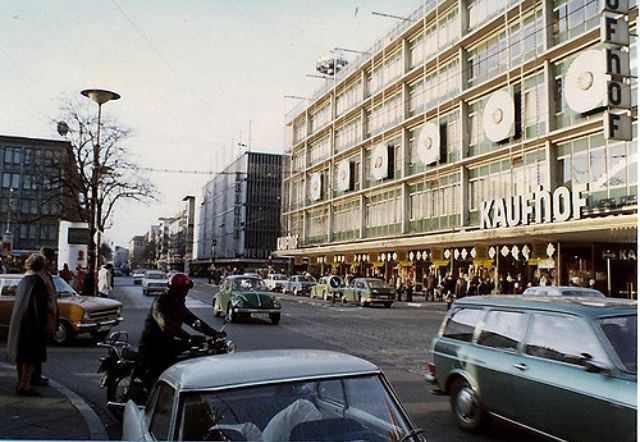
558,290
262,367
583,306
242,277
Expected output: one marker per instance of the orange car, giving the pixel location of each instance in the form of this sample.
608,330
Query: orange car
77,314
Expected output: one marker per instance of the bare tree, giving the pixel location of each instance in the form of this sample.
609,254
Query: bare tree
119,178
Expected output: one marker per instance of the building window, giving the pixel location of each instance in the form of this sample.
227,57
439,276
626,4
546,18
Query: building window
320,117
384,115
299,130
434,204
394,159
503,179
436,87
349,134
534,106
479,11
346,221
383,213
12,155
574,17
319,150
298,162
354,177
609,168
317,226
349,98
449,139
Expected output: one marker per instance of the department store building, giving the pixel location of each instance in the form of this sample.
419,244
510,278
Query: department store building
490,134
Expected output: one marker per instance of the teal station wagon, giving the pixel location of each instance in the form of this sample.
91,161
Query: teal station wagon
242,295
563,367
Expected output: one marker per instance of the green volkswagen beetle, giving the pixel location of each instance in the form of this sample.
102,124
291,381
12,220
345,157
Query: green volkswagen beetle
366,291
243,296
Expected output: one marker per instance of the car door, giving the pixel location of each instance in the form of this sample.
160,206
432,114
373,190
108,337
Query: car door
159,412
495,354
554,390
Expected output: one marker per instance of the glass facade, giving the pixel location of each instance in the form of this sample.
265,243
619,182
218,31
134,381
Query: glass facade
445,68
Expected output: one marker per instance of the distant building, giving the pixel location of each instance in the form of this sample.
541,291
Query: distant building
32,201
239,217
180,238
120,256
137,251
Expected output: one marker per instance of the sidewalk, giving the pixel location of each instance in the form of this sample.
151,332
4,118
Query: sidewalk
59,414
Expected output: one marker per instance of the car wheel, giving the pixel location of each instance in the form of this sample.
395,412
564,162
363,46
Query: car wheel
63,333
231,317
363,302
468,411
275,318
216,308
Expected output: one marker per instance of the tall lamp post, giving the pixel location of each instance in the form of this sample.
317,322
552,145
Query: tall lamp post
100,96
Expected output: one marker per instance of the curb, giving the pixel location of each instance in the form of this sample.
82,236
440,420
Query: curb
95,426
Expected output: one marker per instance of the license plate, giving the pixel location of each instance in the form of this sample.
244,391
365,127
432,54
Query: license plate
260,315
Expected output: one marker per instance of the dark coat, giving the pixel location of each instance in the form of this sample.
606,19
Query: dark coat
27,340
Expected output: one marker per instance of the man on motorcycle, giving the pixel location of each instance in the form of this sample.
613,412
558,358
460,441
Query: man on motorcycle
163,337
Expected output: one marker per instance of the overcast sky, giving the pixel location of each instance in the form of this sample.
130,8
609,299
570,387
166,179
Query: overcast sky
192,74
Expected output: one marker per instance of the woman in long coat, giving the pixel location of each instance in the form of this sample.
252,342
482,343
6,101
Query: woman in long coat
27,340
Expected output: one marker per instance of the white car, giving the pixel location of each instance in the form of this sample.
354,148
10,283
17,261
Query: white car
271,395
558,290
154,281
276,282
137,275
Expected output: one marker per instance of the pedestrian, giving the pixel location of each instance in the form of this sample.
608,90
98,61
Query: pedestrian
431,286
37,378
409,291
89,283
79,278
66,274
28,329
461,287
398,285
104,282
485,287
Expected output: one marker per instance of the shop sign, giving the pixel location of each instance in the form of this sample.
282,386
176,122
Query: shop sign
405,264
546,263
621,254
483,262
440,263
287,242
378,264
537,207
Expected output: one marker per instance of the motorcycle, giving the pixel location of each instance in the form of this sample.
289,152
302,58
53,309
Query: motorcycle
122,359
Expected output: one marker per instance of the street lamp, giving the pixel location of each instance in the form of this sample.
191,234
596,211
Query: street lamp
100,96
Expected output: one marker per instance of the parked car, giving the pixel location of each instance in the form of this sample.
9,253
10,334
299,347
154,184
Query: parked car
77,314
137,275
553,290
271,395
154,281
562,367
327,288
275,282
252,275
366,291
299,285
245,296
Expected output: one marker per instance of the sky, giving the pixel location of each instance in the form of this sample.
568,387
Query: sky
194,76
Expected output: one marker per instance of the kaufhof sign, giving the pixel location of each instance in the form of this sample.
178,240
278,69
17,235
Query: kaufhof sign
287,242
601,78
539,207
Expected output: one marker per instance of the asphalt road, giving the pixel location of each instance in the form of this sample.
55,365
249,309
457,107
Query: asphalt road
396,339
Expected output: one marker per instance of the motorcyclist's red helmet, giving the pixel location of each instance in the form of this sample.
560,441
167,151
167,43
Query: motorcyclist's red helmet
179,284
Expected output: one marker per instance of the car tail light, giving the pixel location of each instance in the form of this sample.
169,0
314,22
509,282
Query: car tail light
431,368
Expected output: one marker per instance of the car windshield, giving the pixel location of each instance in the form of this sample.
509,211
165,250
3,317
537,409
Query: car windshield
622,333
376,284
345,409
307,279
247,284
155,276
64,290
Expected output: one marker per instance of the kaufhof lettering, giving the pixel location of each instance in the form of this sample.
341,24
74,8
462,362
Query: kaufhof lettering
538,207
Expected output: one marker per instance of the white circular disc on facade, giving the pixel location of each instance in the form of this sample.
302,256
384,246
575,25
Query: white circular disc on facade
379,162
344,175
316,186
428,144
498,117
585,81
